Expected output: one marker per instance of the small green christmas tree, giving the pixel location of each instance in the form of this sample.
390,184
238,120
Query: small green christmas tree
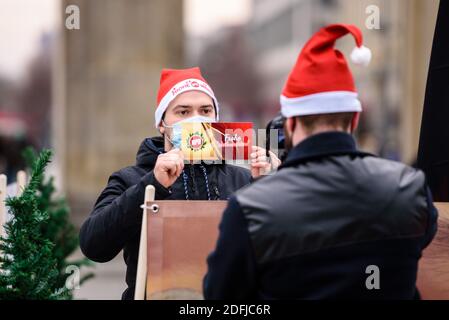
28,266
58,229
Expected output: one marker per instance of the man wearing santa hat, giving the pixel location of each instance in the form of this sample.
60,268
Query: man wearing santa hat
333,222
115,221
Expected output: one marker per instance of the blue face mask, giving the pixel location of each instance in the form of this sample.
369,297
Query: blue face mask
176,135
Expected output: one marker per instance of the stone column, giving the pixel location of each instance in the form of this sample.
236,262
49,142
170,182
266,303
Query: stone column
105,87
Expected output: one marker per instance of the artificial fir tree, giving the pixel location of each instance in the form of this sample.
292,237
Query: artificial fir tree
58,229
28,268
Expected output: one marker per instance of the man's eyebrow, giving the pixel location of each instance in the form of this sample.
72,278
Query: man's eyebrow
182,106
207,106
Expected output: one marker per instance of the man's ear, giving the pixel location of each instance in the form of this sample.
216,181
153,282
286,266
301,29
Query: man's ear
290,124
161,128
355,121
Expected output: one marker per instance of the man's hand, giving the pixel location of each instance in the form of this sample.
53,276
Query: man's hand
260,164
168,167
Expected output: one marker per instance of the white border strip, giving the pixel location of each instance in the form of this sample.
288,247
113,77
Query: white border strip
319,103
180,87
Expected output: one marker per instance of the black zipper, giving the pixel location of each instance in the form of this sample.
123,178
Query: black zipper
194,185
217,192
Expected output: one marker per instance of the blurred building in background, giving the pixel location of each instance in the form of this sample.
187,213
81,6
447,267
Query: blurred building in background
391,88
106,81
90,93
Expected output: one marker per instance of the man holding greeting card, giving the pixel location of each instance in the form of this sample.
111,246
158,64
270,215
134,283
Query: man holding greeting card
115,222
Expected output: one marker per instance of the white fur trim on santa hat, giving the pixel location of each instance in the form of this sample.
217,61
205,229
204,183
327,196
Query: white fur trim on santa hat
319,103
180,87
361,55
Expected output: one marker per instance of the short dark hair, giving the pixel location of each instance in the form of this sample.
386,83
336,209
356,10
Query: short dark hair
338,121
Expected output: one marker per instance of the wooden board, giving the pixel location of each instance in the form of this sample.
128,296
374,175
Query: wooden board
176,254
181,234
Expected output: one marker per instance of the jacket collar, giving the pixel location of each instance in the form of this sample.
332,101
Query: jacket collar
322,145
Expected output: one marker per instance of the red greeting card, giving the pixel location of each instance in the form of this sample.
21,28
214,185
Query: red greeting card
217,141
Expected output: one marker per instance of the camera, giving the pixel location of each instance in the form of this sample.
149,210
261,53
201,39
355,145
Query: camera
277,123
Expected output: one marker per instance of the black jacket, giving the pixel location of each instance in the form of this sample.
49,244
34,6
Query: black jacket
115,222
313,229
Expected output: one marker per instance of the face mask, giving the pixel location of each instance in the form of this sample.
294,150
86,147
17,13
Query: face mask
176,135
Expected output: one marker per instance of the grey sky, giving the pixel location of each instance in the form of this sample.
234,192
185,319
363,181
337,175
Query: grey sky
22,23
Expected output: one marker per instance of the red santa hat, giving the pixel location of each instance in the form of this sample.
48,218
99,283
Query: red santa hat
321,81
174,82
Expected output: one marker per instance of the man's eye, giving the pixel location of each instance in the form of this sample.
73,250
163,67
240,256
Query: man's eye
184,112
207,111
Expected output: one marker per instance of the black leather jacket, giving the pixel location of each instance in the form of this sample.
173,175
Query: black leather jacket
314,228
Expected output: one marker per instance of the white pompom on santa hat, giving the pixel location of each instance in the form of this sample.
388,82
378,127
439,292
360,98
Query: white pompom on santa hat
321,81
173,82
